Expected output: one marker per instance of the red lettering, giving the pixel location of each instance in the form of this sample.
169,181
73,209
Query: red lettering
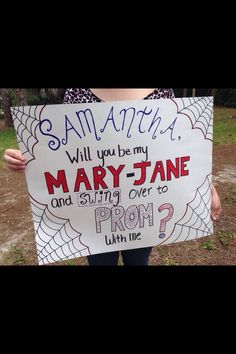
116,174
143,166
56,182
158,169
81,178
171,168
98,174
183,165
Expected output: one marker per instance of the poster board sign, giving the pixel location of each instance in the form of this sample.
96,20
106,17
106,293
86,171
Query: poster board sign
117,175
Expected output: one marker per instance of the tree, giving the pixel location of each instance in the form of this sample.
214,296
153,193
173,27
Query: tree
213,92
22,96
56,93
6,104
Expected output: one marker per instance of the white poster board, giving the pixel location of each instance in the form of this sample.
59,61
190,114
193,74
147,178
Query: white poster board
117,175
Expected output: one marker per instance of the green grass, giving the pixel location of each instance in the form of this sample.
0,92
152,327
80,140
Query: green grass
15,256
7,140
224,127
162,251
209,245
169,261
231,195
70,262
226,237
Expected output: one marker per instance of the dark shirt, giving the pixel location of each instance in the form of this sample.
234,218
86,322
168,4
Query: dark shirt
85,95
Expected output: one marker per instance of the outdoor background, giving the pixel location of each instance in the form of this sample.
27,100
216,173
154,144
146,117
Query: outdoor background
17,240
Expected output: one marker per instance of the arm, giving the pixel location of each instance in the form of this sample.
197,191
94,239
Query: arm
216,208
14,160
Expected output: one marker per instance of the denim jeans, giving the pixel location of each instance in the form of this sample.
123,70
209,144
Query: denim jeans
133,257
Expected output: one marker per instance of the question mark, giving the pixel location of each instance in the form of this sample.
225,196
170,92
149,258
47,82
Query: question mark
170,208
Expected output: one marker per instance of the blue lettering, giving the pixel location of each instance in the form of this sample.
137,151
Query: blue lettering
141,120
125,111
87,122
158,119
171,127
111,118
53,144
68,127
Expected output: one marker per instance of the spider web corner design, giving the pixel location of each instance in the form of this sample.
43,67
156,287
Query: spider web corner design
200,112
26,120
196,221
56,239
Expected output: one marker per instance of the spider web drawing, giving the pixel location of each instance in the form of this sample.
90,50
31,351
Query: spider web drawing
196,221
56,239
26,120
200,112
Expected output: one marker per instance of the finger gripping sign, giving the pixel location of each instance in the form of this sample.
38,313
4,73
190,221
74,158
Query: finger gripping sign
117,175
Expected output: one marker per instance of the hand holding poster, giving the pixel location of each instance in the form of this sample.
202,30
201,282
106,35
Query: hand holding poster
117,175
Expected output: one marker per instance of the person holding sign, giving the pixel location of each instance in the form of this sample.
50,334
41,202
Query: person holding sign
16,162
